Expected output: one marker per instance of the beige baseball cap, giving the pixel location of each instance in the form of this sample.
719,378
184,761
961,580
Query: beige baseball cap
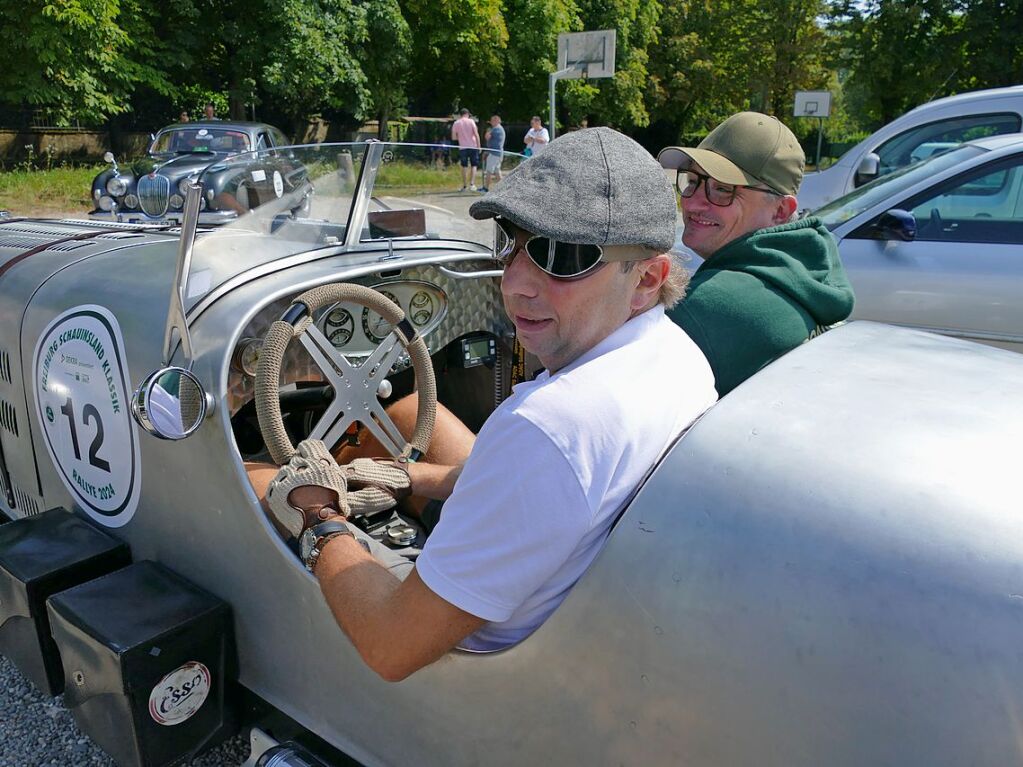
749,149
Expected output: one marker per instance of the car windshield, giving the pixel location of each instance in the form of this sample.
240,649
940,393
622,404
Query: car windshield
298,199
890,186
206,140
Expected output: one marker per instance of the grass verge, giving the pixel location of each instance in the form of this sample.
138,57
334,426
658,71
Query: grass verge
55,192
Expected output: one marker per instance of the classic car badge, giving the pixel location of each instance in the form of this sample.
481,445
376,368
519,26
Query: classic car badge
181,693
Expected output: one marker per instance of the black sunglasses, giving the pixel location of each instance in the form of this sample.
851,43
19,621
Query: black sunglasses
560,260
717,192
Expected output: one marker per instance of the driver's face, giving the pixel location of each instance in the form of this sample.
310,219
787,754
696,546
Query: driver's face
560,320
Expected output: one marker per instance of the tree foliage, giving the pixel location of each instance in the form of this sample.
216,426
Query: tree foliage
682,65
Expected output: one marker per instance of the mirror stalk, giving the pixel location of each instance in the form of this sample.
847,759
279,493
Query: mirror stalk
176,312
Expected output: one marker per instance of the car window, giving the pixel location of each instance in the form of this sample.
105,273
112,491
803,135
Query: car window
860,200
984,206
262,142
925,140
278,138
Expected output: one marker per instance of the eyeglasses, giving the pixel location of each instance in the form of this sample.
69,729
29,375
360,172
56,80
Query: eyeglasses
718,193
560,260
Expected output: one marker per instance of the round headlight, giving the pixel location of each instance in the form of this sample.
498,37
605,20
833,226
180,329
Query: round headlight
106,203
176,201
131,201
117,186
183,187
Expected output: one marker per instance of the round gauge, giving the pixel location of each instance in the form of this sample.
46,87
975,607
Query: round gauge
248,356
421,316
339,318
421,300
374,326
340,337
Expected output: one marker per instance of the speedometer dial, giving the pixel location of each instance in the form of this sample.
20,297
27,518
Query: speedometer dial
374,326
339,326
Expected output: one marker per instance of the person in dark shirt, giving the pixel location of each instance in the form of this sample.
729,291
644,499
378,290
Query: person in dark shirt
768,283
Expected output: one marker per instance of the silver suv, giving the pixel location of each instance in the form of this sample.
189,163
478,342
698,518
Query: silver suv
916,135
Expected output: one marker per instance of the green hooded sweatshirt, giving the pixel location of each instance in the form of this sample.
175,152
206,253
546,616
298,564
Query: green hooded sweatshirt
763,294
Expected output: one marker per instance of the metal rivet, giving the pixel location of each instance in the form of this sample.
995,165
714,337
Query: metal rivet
79,678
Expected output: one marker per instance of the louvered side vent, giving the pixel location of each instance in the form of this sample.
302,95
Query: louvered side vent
5,367
21,243
8,417
64,246
25,502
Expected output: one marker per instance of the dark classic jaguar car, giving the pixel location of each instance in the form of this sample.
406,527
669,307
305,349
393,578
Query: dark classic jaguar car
153,188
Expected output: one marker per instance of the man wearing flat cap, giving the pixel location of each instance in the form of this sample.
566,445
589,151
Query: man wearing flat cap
767,283
584,229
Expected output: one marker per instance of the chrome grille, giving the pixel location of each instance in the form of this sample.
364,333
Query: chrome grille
154,192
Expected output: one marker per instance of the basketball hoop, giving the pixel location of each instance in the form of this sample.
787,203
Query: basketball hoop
581,56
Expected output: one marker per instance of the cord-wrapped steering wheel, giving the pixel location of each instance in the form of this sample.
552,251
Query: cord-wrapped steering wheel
355,387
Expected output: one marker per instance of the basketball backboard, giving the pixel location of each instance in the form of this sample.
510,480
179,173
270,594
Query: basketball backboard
813,104
589,54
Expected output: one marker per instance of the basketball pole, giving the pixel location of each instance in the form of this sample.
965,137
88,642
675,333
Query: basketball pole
553,80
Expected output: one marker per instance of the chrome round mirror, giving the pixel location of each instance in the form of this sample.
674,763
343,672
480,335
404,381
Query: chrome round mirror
108,157
171,403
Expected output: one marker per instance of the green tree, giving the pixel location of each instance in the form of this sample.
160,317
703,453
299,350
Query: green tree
386,61
992,42
899,54
618,101
74,58
458,52
715,59
532,53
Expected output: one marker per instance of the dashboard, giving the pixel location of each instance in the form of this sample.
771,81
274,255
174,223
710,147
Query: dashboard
443,308
356,331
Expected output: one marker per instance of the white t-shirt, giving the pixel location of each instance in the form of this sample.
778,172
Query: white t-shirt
538,133
550,470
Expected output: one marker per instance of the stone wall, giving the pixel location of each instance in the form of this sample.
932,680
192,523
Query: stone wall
66,144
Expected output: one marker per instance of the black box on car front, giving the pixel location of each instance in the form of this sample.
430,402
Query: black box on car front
147,656
40,556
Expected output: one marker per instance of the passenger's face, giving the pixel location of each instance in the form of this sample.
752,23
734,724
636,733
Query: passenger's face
708,228
558,320
535,124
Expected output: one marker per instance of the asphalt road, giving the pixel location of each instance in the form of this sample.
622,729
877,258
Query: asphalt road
36,730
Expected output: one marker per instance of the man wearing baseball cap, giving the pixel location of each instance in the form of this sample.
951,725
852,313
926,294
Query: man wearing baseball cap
583,232
767,283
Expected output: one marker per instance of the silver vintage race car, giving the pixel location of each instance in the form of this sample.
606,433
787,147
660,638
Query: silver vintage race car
827,568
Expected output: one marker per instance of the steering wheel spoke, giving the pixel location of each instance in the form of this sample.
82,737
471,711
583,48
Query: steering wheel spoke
338,371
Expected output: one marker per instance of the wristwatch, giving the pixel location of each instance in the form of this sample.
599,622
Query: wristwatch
313,539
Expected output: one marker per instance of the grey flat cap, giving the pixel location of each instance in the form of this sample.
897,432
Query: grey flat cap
593,187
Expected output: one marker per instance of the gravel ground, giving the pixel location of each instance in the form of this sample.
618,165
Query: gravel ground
36,730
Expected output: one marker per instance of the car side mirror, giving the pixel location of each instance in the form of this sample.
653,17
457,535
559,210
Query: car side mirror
868,169
171,403
896,224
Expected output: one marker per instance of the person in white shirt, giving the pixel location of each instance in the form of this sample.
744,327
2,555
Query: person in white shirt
537,138
586,228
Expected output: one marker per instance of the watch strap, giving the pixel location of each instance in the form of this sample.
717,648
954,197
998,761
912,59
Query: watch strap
320,534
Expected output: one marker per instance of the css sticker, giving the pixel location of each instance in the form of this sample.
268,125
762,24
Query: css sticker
81,390
180,694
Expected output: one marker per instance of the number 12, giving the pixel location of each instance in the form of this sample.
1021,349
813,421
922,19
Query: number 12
89,413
